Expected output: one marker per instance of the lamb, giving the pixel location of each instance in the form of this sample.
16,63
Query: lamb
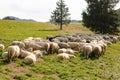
13,51
65,56
5,55
24,53
2,47
30,59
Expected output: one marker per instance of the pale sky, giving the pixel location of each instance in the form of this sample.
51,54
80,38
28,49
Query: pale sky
40,10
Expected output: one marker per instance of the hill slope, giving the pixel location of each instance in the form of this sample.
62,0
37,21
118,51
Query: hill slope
107,67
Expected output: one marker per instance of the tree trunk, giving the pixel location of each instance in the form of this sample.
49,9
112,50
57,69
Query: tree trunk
60,26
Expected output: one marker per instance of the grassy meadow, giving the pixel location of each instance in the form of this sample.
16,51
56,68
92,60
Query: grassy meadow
107,67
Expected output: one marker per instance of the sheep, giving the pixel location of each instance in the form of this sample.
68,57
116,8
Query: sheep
33,45
63,45
53,47
13,51
62,39
37,39
44,45
97,50
74,46
65,56
24,53
38,53
63,50
5,55
70,51
2,47
87,50
19,43
30,59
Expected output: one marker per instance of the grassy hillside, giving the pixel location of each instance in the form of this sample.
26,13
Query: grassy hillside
107,67
18,30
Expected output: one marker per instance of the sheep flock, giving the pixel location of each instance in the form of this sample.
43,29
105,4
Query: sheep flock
65,45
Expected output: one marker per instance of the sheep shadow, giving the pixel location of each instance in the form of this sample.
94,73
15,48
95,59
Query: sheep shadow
3,62
91,57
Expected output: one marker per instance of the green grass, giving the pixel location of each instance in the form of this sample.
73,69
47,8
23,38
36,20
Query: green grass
107,67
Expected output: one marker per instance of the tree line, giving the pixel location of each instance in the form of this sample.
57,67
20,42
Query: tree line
100,16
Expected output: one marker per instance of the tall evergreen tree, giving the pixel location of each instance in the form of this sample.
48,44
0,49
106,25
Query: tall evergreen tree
101,17
61,14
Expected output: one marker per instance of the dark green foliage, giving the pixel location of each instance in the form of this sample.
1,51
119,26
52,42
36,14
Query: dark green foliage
60,15
101,17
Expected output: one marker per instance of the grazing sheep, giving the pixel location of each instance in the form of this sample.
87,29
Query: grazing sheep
63,50
70,51
5,55
2,47
97,50
65,56
30,59
38,53
24,53
87,50
13,51
63,45
44,45
74,46
19,43
33,45
53,47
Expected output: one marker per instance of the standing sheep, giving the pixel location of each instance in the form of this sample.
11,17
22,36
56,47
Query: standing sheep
87,50
13,51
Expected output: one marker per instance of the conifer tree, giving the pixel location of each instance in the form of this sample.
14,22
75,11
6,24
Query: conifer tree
101,17
60,15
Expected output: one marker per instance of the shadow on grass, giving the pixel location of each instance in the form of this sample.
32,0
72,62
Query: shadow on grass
48,30
91,57
3,62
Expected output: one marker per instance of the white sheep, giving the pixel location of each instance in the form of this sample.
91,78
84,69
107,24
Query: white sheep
5,55
53,47
19,43
63,50
2,47
24,53
70,51
65,56
38,53
13,51
30,59
87,50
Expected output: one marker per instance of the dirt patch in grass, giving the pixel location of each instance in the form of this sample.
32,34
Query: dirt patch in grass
16,69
